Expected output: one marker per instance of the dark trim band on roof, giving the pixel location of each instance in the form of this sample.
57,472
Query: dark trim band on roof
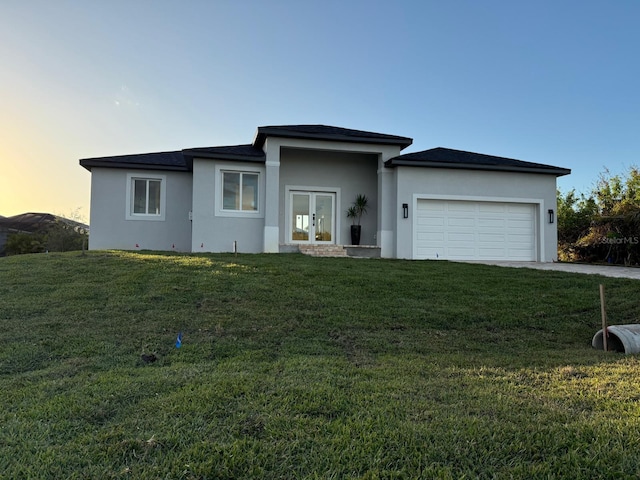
89,163
247,153
458,159
325,132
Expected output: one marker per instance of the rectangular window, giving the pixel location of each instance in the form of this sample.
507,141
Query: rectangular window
146,196
240,191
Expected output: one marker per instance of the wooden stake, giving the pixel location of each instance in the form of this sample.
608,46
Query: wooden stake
603,311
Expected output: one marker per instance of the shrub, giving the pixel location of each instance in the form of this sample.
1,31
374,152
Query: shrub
21,243
604,226
57,237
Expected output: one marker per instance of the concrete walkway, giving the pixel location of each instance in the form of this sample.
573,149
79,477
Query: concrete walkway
604,270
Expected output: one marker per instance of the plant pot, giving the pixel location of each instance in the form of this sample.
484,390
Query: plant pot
355,234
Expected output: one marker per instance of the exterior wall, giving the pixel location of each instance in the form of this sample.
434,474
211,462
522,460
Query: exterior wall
214,230
346,173
110,228
452,184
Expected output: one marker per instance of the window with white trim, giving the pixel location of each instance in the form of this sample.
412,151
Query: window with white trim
146,197
240,191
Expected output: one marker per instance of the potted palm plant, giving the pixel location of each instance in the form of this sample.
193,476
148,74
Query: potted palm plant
355,213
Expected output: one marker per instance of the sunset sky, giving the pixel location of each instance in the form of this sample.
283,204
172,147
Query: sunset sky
542,81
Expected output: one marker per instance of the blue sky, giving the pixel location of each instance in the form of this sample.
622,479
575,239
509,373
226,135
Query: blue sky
551,82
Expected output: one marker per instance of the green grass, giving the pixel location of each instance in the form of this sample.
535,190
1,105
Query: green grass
297,367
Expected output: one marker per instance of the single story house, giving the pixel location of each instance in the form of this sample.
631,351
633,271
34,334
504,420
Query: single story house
292,185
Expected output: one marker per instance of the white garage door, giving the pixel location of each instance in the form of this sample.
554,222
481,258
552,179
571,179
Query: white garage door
461,230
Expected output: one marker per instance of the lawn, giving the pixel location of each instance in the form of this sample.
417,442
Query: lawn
300,367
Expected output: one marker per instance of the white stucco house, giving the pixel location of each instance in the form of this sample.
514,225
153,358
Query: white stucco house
293,184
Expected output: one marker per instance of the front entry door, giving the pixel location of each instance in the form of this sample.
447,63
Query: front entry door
312,217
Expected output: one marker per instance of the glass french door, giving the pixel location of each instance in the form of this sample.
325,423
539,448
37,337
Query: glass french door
312,217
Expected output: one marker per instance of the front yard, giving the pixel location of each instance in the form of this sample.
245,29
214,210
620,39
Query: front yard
298,367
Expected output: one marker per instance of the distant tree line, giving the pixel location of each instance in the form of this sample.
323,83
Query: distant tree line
54,237
603,226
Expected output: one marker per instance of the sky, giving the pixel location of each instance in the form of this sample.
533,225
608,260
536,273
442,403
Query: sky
553,82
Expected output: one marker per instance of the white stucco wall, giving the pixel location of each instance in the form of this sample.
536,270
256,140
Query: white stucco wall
110,228
214,230
413,183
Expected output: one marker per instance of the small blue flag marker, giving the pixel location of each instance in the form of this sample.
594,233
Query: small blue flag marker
179,340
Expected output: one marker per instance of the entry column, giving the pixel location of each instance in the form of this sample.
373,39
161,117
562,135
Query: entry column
272,194
387,203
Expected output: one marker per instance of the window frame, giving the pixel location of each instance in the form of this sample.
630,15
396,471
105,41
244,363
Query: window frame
220,210
241,185
130,197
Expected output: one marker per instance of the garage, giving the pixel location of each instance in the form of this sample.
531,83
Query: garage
475,230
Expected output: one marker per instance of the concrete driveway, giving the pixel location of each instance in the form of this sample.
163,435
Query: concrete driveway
604,270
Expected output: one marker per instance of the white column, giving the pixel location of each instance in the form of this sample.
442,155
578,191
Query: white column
272,197
387,211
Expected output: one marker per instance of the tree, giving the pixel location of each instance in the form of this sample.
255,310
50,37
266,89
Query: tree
604,226
62,237
574,215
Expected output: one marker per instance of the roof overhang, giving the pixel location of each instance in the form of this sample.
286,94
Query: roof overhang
326,133
89,163
441,157
171,161
243,153
557,171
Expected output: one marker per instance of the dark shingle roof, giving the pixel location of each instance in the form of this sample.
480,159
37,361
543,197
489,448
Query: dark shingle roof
179,160
182,160
448,158
247,153
32,222
149,161
324,132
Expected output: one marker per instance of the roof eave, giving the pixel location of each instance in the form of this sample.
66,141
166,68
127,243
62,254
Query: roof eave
225,156
558,172
89,164
264,132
